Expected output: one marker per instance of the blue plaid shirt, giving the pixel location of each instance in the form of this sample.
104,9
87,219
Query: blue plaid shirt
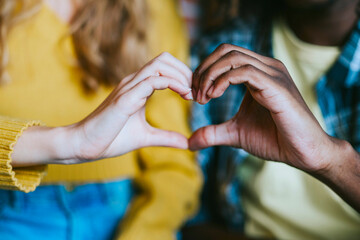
337,93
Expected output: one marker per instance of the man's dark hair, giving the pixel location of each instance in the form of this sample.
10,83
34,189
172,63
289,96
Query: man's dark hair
216,13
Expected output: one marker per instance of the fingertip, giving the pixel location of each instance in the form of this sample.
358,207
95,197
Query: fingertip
206,100
172,139
198,96
215,93
193,146
189,96
192,149
194,85
193,93
183,146
180,143
210,91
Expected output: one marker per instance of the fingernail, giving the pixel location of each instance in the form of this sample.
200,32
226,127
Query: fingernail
198,96
193,148
193,93
210,91
189,96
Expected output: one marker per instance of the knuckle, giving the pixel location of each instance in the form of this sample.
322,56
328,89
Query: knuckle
287,84
152,62
279,64
149,81
164,55
224,47
233,53
207,75
154,65
248,68
129,98
277,75
281,81
134,102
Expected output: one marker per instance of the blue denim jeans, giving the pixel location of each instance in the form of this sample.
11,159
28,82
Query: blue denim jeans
90,211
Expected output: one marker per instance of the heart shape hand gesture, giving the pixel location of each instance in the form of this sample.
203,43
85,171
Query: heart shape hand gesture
273,121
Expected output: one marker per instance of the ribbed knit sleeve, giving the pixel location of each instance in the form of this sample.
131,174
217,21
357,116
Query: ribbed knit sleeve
25,179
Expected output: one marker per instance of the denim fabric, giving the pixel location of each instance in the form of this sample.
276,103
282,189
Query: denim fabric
91,211
338,94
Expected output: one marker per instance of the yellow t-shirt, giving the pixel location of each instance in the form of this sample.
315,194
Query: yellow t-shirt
46,86
283,202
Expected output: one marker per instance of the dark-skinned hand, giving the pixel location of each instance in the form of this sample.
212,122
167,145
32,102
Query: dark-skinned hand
273,121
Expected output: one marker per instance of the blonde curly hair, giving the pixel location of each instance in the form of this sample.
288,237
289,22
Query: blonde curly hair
109,37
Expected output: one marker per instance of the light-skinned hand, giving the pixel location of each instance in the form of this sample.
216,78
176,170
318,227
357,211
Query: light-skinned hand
116,127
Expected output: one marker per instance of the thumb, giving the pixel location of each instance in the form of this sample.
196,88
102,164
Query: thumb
213,135
159,137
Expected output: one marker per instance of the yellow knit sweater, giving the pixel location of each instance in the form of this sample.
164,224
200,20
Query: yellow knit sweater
46,87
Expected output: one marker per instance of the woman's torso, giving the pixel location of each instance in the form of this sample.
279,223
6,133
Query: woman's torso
46,84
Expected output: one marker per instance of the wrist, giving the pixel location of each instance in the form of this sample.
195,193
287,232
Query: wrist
343,173
43,145
61,145
340,158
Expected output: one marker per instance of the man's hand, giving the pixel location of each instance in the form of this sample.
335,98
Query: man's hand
273,121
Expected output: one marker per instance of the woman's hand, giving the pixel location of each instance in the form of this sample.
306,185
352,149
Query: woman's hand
116,127
273,121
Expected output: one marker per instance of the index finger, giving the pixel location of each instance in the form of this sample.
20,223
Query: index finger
225,48
179,65
222,50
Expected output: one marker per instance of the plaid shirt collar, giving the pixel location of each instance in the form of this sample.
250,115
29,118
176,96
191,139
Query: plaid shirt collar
346,70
